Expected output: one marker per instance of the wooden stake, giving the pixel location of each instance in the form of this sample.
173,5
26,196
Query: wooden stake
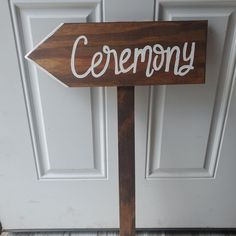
125,97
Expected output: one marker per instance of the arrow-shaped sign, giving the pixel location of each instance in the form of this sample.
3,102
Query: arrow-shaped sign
125,54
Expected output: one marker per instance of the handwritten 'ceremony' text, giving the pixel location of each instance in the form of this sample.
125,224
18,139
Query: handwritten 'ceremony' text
156,57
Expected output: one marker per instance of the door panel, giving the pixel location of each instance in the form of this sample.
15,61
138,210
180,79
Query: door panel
180,130
63,121
68,177
182,141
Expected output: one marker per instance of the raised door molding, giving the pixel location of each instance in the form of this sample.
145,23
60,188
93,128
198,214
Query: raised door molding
175,147
68,126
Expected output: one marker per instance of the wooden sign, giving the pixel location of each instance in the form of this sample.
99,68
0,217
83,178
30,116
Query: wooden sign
125,53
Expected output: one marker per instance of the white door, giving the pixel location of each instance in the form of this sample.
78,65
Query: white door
58,146
186,139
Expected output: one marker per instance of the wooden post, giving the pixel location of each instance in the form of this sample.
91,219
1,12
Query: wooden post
125,97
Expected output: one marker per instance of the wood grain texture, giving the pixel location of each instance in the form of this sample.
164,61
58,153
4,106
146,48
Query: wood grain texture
125,96
54,53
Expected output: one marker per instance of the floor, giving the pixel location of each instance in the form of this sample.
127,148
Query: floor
115,234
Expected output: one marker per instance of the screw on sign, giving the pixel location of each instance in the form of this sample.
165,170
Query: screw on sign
125,54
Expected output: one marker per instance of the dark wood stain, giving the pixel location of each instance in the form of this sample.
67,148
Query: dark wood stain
54,53
125,97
